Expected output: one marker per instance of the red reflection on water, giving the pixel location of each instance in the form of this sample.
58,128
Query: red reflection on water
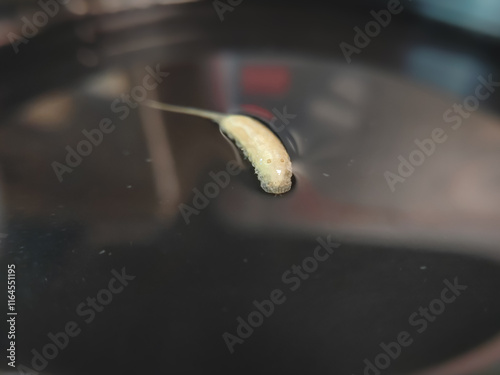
265,79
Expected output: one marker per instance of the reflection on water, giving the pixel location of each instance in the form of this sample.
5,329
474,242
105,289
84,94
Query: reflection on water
345,127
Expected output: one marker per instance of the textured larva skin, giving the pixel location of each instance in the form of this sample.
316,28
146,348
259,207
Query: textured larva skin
264,150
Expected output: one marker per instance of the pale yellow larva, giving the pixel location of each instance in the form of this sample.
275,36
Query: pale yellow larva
259,144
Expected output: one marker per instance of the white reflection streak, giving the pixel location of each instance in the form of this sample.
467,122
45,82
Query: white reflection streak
112,6
164,170
479,359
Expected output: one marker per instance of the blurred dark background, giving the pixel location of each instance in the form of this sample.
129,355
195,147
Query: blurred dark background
119,207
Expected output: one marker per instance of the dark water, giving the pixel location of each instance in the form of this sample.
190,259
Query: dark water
118,209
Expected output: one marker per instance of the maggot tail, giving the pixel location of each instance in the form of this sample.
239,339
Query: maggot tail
214,116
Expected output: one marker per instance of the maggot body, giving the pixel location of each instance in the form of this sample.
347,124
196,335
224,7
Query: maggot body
259,144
